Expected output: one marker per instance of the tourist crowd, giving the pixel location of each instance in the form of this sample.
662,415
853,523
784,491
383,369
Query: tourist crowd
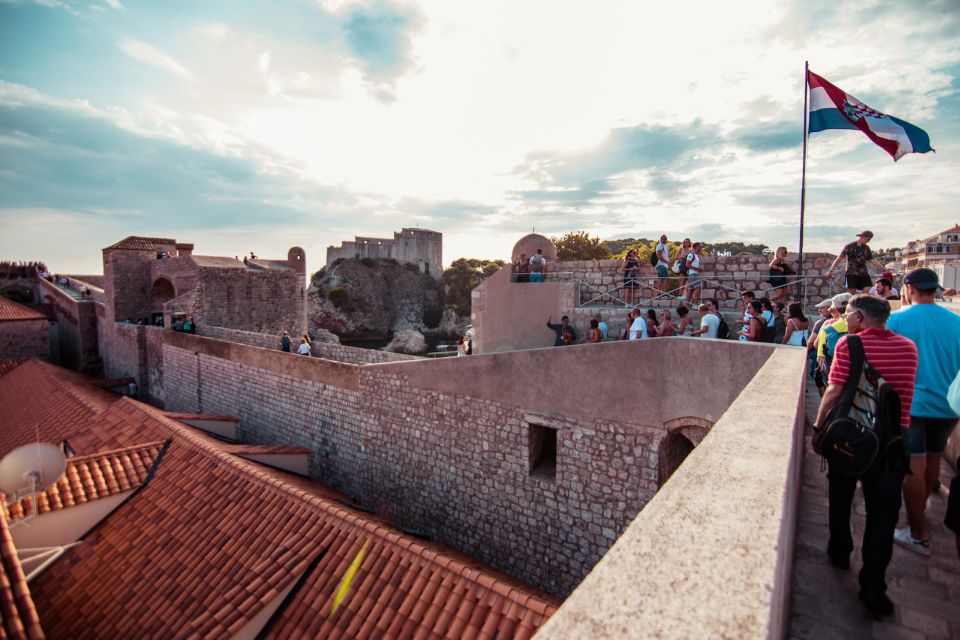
913,352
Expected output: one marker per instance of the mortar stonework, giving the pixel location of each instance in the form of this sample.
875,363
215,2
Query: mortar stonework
452,465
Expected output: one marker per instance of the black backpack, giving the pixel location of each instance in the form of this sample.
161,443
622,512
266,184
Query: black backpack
865,423
723,329
769,330
654,260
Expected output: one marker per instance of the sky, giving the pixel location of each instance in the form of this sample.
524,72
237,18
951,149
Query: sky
256,126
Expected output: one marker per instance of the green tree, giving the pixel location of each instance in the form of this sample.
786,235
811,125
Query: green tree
737,248
578,245
461,277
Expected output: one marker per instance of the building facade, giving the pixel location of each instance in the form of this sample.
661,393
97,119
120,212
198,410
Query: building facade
940,252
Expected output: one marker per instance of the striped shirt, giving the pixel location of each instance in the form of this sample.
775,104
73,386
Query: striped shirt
895,357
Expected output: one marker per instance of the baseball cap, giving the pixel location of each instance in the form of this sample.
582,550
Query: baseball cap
823,304
923,278
840,299
865,234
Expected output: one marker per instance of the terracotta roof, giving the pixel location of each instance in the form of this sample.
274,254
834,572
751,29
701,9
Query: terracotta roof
91,477
222,262
11,311
18,616
140,243
6,366
203,547
40,400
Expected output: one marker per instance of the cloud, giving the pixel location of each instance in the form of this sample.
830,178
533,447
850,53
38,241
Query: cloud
154,57
379,36
77,162
116,5
654,155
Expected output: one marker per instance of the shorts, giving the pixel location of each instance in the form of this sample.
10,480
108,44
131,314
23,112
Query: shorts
858,282
661,271
928,436
536,277
693,280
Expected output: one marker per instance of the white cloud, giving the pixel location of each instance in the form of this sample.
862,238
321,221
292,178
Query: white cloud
215,32
155,57
116,5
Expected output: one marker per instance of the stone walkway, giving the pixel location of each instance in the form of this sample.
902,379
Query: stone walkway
824,604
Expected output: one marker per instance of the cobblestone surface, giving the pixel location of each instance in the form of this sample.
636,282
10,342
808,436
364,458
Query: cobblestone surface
824,604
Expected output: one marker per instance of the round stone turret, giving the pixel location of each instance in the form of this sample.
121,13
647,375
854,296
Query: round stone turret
529,244
297,259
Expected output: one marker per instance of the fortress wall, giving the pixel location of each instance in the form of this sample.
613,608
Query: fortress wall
280,398
724,523
511,315
327,350
127,282
25,339
77,326
457,468
125,349
262,302
446,447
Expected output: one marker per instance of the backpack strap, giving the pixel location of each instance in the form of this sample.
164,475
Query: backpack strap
857,359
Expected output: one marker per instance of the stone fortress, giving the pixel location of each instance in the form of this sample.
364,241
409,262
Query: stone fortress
420,247
561,467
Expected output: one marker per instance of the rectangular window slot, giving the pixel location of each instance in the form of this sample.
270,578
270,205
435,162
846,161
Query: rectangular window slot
543,452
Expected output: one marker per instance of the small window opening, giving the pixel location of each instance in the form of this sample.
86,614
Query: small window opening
543,452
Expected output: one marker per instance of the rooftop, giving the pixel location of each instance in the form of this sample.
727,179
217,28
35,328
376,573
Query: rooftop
140,243
11,311
208,544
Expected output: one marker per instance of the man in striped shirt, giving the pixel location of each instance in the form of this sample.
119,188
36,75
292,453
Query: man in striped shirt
895,358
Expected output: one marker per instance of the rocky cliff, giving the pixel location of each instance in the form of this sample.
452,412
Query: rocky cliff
366,298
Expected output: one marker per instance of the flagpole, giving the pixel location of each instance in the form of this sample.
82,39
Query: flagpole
803,177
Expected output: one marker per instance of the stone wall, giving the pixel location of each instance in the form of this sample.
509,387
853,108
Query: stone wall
711,555
510,315
25,339
330,351
269,302
444,447
127,282
76,326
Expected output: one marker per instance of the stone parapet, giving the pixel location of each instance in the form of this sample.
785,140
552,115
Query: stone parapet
710,556
327,350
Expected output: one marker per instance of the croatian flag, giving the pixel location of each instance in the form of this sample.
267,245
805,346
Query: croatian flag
832,108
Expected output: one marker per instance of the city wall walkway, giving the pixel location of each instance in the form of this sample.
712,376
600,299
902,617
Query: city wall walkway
824,604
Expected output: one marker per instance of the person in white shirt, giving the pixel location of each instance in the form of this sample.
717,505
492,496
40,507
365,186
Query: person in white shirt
694,285
638,330
304,348
709,323
663,264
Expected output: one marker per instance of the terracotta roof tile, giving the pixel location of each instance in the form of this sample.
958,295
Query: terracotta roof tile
91,477
6,366
18,616
38,399
212,538
11,311
140,243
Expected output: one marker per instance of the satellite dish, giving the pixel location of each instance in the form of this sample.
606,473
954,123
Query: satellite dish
30,469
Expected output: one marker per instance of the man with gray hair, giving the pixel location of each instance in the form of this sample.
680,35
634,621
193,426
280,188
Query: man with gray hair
895,358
